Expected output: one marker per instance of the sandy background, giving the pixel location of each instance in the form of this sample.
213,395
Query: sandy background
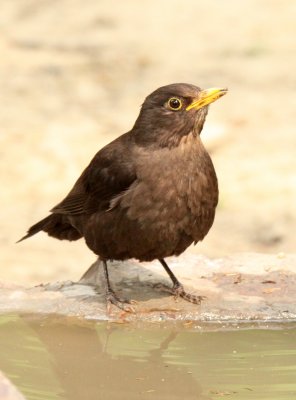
73,75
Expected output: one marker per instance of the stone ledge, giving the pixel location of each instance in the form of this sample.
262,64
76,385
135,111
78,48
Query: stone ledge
242,287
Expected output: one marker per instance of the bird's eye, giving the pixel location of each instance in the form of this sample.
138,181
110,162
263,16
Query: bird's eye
174,104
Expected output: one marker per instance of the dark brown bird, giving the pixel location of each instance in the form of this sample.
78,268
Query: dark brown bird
150,193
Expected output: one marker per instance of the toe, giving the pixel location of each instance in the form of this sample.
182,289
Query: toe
123,304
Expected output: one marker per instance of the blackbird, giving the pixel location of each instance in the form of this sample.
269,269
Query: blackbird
150,193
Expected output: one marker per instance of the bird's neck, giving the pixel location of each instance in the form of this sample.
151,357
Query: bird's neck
162,133
161,138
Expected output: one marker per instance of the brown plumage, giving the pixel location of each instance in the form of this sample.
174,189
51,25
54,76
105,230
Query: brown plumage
150,193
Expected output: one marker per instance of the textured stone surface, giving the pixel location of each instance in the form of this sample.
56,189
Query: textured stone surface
243,287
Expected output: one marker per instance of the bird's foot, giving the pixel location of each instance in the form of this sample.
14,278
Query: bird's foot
123,304
178,291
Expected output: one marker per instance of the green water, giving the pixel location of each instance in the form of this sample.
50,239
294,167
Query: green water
55,358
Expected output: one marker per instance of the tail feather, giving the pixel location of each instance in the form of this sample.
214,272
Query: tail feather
55,225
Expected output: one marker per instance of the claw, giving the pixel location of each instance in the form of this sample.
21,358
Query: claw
123,304
178,291
192,298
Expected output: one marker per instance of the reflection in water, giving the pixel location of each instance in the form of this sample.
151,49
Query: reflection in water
54,358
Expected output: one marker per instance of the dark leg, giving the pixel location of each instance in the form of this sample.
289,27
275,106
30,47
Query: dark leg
111,296
178,290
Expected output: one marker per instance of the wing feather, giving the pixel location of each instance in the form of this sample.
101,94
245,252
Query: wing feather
110,173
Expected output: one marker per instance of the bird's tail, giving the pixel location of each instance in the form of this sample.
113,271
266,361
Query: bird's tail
55,225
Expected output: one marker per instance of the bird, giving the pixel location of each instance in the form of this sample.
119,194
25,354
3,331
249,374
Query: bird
150,193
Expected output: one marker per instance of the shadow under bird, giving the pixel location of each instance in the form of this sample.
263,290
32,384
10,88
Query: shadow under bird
150,193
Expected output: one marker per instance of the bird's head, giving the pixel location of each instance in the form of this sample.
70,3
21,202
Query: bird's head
173,111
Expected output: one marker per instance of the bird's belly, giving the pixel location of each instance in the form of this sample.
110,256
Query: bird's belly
152,221
174,211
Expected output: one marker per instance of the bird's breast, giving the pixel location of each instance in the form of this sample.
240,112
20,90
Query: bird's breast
176,190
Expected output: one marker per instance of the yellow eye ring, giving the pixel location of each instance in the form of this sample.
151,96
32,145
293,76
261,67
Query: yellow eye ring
175,104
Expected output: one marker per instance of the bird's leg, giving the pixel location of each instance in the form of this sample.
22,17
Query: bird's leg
178,290
111,296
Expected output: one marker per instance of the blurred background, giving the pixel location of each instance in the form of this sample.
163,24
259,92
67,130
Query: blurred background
73,74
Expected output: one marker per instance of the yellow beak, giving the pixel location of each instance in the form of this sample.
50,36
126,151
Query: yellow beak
206,97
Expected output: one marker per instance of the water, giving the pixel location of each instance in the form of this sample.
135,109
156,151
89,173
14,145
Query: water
54,358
